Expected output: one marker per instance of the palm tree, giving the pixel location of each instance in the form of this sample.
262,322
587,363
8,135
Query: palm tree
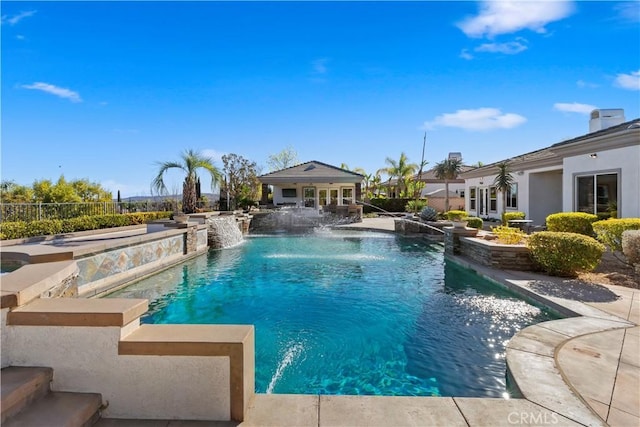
402,170
376,182
447,170
503,182
191,161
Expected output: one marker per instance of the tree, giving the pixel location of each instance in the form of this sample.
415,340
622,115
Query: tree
191,161
10,192
282,160
376,183
503,182
402,170
447,170
241,180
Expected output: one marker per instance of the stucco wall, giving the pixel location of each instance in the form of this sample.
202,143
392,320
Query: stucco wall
86,359
544,195
625,160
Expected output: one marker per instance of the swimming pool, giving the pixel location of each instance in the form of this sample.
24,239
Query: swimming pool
350,313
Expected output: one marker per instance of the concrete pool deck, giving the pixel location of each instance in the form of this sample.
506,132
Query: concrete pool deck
581,370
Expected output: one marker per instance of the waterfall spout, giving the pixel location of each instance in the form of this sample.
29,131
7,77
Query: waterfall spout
223,232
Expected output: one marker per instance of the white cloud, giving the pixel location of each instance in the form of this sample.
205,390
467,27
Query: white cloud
628,11
479,119
55,90
13,20
510,48
466,55
629,81
510,16
582,84
574,107
320,65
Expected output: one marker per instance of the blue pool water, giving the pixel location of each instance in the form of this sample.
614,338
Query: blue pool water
350,313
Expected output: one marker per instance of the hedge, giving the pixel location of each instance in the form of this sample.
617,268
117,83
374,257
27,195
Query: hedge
565,254
572,222
455,215
22,229
508,216
474,222
609,231
389,205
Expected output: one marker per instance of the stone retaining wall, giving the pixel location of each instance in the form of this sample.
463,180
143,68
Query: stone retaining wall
488,253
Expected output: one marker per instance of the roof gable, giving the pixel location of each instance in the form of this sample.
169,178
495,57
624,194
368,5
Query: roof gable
311,172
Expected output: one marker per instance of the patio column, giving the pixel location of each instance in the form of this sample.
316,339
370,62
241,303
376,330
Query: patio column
264,200
358,191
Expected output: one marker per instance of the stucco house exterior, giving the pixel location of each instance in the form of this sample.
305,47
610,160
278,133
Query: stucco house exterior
598,172
313,185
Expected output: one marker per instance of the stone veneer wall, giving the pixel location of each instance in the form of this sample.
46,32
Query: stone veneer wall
108,263
484,252
496,255
106,270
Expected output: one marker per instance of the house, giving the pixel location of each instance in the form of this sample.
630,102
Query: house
312,184
598,173
434,187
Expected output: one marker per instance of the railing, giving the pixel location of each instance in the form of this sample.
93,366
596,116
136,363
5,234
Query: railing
40,211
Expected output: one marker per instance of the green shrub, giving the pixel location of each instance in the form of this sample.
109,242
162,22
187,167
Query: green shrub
565,254
631,247
21,229
508,216
572,222
609,231
455,215
509,235
415,206
13,230
474,222
389,205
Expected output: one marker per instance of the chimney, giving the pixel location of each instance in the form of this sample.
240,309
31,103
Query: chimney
605,118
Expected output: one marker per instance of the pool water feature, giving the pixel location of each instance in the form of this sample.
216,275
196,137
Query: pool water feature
339,312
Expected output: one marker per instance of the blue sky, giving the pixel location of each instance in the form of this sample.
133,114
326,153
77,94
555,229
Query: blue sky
103,90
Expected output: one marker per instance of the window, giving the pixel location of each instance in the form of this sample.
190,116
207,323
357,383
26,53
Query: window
309,195
347,196
333,196
322,197
512,196
288,192
472,198
493,199
597,193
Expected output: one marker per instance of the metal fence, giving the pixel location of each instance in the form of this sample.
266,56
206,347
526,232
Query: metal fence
40,211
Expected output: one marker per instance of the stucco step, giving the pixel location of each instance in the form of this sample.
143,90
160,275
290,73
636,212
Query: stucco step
59,409
78,312
21,386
